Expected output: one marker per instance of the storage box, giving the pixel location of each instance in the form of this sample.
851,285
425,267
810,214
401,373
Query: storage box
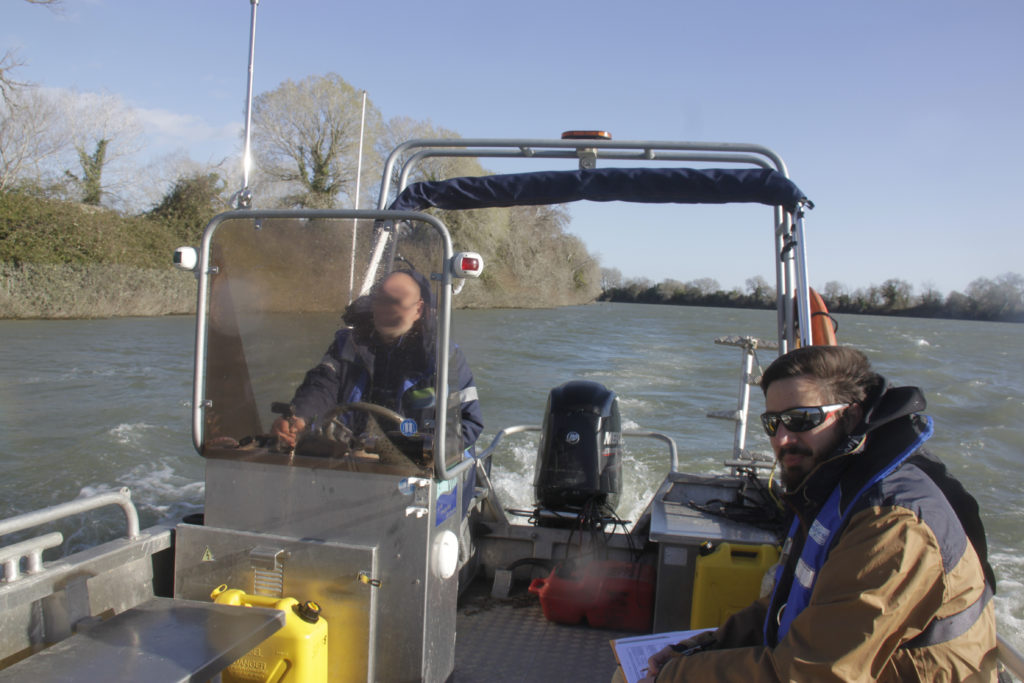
614,595
679,529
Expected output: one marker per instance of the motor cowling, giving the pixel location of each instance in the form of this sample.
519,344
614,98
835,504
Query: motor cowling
579,464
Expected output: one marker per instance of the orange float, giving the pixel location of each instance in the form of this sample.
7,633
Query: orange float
823,328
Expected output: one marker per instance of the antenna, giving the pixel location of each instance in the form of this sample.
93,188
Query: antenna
355,222
243,198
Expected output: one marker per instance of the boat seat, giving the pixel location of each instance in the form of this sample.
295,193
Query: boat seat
160,641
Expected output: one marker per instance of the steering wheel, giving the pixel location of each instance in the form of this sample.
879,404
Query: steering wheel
336,430
382,438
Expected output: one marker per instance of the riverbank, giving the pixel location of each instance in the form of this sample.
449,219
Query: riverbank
79,291
52,291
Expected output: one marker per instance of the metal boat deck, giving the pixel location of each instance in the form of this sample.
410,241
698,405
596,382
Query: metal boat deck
510,640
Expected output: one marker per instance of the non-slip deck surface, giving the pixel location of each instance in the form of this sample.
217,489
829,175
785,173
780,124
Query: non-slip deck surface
510,640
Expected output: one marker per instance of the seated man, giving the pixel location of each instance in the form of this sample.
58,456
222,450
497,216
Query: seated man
884,575
387,359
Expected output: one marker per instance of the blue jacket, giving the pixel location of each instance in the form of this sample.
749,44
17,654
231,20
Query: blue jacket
361,367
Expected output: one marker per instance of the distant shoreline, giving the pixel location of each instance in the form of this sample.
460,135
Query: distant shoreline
725,300
96,291
88,291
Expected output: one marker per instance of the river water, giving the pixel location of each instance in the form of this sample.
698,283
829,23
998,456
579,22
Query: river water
95,405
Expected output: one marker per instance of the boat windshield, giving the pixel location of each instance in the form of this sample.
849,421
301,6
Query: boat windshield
283,300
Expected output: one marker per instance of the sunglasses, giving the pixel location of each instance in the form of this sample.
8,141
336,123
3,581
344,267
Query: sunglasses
799,419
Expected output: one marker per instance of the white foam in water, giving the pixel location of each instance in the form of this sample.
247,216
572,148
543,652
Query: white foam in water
1009,600
155,486
632,405
159,486
131,434
512,474
514,480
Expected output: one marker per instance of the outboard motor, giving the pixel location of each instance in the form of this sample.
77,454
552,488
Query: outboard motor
579,465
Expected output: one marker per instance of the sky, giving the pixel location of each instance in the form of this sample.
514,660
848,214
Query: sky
900,119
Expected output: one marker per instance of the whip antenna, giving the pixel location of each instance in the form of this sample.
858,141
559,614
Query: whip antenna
243,198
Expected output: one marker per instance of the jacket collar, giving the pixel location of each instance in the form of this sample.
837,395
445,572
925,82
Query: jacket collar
857,455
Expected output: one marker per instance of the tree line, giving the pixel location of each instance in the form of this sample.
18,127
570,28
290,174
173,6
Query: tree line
995,299
306,141
72,192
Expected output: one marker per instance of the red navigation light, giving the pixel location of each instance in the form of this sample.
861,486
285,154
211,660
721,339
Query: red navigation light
586,135
467,264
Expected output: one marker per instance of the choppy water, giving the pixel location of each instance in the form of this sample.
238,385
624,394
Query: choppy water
95,405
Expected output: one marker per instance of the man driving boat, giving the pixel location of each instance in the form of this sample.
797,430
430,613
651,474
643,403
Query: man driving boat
385,358
883,575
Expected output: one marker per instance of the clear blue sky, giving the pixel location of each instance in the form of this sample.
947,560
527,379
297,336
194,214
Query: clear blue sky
900,119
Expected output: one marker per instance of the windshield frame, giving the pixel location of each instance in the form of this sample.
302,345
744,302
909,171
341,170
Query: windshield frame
384,220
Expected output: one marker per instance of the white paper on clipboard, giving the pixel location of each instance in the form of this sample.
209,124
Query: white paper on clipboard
632,653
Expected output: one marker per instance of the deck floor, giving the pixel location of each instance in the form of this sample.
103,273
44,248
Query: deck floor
510,640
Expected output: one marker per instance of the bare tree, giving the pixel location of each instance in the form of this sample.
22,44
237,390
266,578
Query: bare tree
9,62
611,278
401,129
896,294
704,285
105,134
760,290
835,293
999,298
32,136
930,297
306,135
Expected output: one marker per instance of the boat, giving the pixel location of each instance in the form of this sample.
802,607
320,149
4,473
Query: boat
389,555
378,547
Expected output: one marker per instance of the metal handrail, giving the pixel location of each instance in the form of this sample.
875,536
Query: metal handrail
532,147
673,452
1010,657
122,498
507,431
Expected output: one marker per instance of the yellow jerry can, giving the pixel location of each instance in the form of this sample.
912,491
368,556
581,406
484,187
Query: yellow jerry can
295,654
726,579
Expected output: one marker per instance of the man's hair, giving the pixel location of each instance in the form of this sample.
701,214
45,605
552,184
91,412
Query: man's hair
844,373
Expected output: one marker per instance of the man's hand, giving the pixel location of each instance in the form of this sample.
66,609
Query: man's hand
659,659
656,661
287,430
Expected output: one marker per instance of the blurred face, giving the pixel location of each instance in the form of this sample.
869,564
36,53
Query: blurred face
799,452
396,306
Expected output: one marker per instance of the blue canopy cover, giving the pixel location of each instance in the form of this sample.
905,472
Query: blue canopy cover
646,185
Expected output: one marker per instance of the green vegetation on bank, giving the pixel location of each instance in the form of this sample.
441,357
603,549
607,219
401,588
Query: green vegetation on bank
62,259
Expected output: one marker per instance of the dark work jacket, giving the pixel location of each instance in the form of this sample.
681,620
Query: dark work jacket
399,376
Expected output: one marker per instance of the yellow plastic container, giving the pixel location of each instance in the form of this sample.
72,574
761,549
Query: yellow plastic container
295,654
728,579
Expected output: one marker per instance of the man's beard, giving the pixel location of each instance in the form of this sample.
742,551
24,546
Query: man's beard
792,477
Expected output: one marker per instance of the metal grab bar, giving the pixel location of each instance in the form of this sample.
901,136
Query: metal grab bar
673,453
122,498
1010,657
507,431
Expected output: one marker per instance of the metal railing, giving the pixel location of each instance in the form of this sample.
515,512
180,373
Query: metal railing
673,452
32,549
